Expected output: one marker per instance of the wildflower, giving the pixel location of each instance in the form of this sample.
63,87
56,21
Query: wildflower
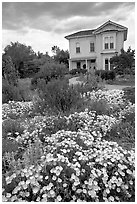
111,198
44,195
8,195
107,191
92,193
59,180
131,182
128,171
52,193
64,185
46,177
84,191
59,198
118,190
35,190
38,199
54,178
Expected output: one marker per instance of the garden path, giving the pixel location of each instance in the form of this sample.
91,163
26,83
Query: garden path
74,81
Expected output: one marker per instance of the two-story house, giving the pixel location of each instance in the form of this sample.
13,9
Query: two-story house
94,48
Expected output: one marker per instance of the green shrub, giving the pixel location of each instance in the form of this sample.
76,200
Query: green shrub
11,128
129,94
104,74
57,96
101,107
77,71
48,72
10,92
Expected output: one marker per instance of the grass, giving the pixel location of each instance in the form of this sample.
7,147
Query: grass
126,80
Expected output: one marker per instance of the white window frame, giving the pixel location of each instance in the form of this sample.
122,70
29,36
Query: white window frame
90,46
109,37
77,46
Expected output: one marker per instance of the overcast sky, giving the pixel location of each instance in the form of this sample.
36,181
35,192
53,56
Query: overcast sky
44,24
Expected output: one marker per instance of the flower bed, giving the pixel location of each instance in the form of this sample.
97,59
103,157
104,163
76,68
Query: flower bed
66,158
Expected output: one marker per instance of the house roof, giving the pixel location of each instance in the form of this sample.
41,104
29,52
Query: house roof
94,31
80,33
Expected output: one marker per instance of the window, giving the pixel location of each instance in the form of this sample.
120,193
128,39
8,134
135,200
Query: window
77,48
106,43
111,65
92,48
78,65
106,64
111,42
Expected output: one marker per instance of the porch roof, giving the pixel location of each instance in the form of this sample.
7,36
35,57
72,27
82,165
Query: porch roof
82,58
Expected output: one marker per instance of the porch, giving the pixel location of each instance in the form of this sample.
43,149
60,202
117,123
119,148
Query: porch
85,63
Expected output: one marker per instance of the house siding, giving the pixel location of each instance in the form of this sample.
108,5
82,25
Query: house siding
84,47
100,54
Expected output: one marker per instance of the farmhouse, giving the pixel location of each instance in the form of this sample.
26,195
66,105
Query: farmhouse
92,49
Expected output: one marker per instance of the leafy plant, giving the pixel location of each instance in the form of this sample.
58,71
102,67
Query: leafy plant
57,96
11,128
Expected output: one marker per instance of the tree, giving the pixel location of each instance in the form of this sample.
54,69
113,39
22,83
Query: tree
55,49
20,54
9,72
60,56
123,63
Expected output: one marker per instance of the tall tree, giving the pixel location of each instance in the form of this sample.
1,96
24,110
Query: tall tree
60,56
9,72
20,54
123,63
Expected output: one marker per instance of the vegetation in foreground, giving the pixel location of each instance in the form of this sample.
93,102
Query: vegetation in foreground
69,155
67,143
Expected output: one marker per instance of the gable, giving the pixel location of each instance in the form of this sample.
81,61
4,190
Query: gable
111,26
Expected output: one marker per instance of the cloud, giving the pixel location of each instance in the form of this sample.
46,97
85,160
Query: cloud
44,24
17,15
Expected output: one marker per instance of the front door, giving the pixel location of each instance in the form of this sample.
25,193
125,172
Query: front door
78,65
93,64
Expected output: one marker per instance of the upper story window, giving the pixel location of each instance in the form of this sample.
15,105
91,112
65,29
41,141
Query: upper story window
92,47
109,42
77,47
106,42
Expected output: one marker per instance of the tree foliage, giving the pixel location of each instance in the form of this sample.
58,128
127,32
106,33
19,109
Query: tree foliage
9,72
20,54
60,56
123,63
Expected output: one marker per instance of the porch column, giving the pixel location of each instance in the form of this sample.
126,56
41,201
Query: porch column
70,64
87,64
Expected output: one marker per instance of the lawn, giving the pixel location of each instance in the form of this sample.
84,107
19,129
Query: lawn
86,155
126,80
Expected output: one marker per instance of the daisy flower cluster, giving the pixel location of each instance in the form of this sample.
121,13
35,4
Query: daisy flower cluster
111,96
16,109
67,159
75,168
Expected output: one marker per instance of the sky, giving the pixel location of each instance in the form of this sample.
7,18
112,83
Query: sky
42,25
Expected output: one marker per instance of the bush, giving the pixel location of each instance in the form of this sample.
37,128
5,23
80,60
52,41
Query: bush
57,96
10,92
48,72
73,71
100,106
106,74
11,128
129,94
77,71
